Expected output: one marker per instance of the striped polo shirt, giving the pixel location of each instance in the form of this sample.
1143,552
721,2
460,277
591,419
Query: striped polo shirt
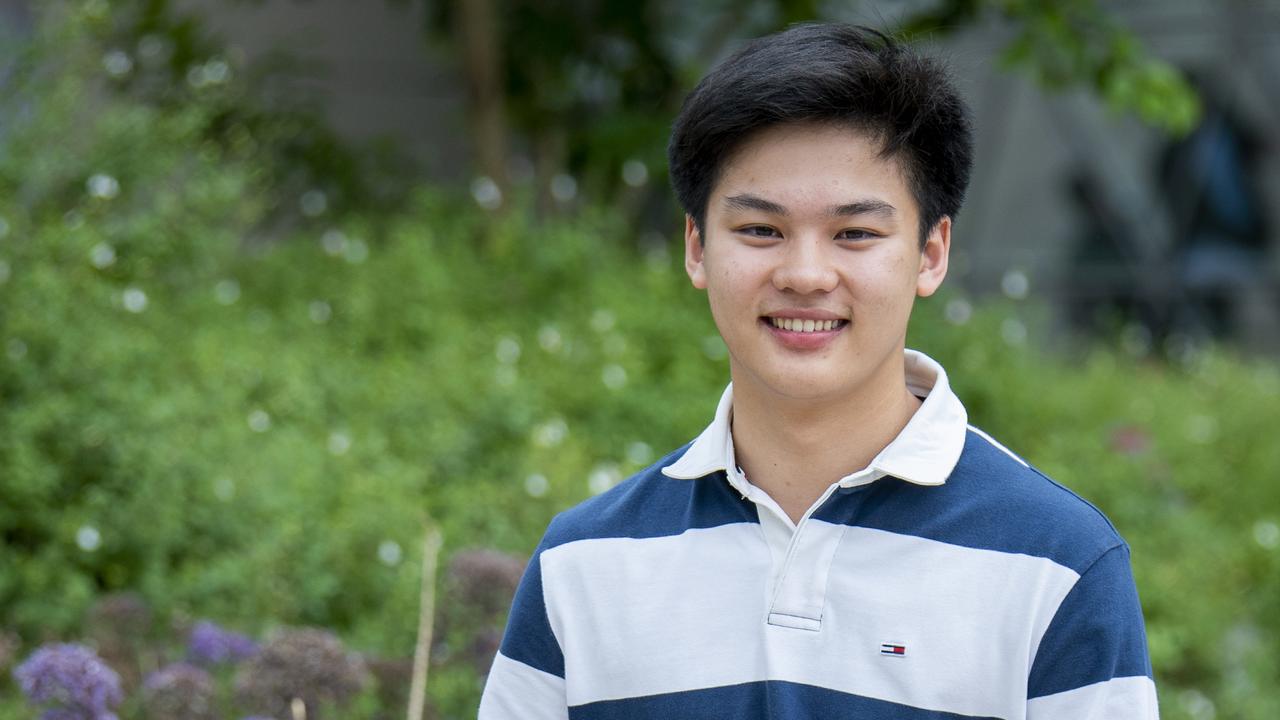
948,579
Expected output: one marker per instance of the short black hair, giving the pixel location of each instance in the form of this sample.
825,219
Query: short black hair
828,73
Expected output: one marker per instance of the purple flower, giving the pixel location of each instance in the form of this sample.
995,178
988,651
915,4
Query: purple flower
483,580
211,645
180,690
307,664
72,681
122,618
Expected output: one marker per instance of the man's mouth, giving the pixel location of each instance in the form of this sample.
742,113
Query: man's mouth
805,326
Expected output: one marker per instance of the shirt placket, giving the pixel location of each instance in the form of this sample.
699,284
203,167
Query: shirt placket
802,555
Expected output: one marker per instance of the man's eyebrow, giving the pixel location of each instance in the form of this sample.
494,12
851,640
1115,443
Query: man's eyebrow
747,201
863,207
752,202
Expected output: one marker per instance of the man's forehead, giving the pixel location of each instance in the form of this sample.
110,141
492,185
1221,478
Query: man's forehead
828,168
848,136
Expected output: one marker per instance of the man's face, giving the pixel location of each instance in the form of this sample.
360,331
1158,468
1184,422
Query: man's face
808,229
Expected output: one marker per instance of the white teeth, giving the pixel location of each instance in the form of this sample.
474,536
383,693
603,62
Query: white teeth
798,325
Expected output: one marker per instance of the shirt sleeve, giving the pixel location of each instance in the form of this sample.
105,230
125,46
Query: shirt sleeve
527,677
1092,663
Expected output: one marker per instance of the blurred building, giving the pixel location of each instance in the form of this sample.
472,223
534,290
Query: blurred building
369,63
1069,201
1079,201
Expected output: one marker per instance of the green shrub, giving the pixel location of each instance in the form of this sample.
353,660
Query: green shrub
255,431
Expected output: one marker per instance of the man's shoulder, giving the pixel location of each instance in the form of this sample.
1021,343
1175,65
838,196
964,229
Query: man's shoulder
993,500
650,504
1027,510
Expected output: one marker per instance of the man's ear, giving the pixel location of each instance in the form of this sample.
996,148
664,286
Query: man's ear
933,258
693,255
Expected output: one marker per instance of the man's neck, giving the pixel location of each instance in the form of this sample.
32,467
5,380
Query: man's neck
794,449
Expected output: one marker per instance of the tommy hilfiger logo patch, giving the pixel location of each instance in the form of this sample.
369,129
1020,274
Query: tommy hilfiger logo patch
893,649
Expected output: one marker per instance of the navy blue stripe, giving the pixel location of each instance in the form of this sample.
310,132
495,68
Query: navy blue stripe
767,699
650,504
528,638
991,502
1097,633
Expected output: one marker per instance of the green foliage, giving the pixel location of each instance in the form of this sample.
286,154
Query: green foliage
1077,43
255,431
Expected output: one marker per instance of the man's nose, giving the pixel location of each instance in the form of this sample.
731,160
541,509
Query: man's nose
806,266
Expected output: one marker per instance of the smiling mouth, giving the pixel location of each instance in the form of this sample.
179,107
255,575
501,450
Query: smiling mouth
805,326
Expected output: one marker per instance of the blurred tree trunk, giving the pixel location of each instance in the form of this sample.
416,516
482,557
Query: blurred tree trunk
480,37
548,161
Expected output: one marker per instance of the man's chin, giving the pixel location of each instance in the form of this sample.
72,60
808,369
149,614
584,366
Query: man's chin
809,388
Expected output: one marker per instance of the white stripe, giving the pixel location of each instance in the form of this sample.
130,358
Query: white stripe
1127,698
998,446
649,616
515,691
969,618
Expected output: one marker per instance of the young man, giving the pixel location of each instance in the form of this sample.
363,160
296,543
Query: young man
838,543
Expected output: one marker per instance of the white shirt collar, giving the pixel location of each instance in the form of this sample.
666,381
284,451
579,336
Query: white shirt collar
924,453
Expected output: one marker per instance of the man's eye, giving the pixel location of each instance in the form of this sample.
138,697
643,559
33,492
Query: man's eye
760,231
855,234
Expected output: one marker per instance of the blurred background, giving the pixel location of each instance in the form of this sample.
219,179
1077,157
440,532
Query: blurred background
303,303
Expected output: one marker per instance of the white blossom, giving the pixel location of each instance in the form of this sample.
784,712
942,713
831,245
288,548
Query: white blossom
549,338
550,433
88,538
507,350
1014,331
603,320
563,187
639,453
1267,534
635,173
103,186
356,251
102,256
117,63
313,203
319,312
134,299
536,485
1015,284
602,478
226,291
259,421
614,376
333,241
958,311
486,193
339,443
390,553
